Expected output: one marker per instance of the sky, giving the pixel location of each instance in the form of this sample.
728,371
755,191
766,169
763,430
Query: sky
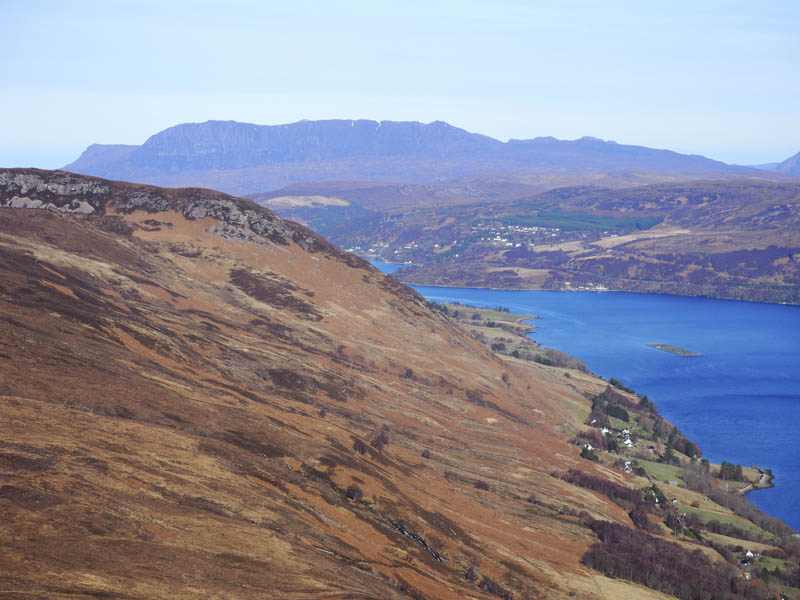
717,78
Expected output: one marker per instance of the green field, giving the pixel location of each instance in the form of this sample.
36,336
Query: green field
580,221
707,515
731,541
770,563
661,471
619,423
489,314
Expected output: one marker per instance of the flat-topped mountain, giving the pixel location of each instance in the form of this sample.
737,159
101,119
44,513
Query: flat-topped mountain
246,158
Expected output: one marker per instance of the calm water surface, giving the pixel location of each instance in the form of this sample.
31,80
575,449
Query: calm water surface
740,400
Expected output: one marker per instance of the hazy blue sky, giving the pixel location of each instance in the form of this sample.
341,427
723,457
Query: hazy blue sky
719,78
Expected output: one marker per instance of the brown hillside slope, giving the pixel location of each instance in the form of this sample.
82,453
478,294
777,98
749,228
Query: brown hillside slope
191,388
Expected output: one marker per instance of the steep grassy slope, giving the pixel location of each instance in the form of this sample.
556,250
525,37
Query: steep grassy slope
200,400
181,400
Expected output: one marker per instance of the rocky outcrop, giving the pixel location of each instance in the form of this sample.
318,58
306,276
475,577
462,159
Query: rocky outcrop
239,219
67,192
26,188
234,218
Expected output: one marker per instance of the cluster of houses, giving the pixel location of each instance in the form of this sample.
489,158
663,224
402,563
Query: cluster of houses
514,236
624,439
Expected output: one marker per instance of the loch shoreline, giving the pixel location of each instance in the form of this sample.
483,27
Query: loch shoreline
765,481
734,403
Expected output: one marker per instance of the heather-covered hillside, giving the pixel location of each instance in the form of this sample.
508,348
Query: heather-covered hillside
202,400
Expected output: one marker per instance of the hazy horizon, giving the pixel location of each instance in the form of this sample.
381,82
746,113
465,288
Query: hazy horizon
715,80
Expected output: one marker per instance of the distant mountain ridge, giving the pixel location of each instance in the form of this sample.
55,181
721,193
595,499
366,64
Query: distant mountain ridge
246,158
791,165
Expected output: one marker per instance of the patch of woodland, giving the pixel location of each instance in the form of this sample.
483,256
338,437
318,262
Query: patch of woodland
666,566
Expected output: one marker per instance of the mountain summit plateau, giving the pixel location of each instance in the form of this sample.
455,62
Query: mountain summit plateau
245,158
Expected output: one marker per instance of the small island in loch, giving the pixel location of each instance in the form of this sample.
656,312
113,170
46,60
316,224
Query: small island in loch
674,350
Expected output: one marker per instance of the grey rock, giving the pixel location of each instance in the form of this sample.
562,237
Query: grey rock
17,202
67,192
